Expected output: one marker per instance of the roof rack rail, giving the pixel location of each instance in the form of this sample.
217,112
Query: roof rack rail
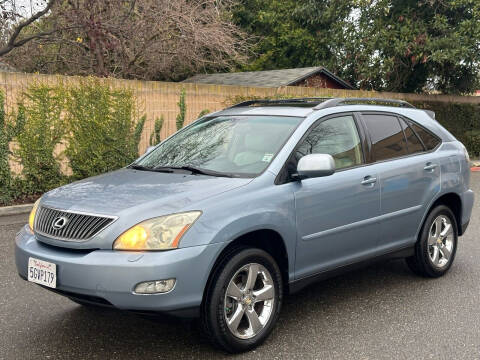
323,102
355,101
299,101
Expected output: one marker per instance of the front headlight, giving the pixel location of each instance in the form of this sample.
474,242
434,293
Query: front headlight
31,218
161,233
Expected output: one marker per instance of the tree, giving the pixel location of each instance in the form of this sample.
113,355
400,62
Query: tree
140,39
14,20
384,45
293,33
413,46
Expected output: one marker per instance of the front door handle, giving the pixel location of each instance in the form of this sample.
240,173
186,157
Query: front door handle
369,180
430,166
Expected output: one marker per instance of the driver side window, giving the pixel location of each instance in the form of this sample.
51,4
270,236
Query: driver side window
336,136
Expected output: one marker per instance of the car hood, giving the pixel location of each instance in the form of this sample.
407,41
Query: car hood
127,190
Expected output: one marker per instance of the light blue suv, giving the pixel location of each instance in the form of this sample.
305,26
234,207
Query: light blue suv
247,204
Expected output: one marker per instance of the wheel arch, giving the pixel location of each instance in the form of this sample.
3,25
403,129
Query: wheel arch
454,202
266,239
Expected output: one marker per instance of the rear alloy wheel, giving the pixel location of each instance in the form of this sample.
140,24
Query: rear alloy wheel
440,241
437,244
243,301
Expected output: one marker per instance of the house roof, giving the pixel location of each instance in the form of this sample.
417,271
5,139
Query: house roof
267,78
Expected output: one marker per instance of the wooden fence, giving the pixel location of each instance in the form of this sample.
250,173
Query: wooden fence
160,98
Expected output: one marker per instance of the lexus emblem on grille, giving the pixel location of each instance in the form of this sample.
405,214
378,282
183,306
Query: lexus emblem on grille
59,223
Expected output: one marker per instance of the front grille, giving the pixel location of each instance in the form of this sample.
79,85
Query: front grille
69,225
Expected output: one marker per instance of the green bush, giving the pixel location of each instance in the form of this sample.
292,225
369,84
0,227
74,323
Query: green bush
155,136
5,173
41,109
203,113
472,142
182,106
9,185
102,132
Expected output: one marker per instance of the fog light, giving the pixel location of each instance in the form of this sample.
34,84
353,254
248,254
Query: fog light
155,287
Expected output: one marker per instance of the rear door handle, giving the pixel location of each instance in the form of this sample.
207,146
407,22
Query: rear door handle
369,180
430,166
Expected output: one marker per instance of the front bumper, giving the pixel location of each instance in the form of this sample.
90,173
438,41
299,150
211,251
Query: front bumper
112,275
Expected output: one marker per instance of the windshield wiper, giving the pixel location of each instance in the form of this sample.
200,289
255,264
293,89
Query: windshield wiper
196,170
146,168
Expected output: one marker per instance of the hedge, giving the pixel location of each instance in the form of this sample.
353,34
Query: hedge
462,120
99,127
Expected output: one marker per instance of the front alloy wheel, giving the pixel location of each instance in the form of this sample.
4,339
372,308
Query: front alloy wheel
249,300
243,300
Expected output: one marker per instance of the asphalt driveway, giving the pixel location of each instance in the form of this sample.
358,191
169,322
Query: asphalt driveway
382,312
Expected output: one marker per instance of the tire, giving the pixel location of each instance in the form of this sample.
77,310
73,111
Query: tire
434,252
230,297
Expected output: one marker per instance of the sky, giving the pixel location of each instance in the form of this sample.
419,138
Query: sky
26,7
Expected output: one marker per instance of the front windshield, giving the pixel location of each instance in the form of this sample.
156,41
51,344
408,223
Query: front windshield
230,145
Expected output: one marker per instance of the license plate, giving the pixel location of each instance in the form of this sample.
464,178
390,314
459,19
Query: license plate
42,272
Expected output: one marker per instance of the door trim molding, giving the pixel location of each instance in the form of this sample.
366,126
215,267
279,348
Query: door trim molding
360,223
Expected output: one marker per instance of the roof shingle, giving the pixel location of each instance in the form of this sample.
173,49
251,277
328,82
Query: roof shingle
267,78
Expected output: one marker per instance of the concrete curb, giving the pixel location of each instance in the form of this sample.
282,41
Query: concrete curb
15,210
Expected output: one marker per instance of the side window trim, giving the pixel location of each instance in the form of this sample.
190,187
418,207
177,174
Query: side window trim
418,136
410,121
408,125
364,138
360,131
407,121
403,132
372,158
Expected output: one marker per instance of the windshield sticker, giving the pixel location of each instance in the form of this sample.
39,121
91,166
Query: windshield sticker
267,157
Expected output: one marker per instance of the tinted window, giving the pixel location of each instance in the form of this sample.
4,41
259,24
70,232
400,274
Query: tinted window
429,140
337,137
414,145
387,136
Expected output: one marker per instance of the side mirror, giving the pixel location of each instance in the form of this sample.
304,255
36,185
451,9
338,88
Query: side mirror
149,149
315,165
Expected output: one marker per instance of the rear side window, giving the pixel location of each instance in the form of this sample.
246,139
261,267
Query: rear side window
386,135
430,141
414,145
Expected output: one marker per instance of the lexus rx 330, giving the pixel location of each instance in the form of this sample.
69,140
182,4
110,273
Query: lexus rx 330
245,205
